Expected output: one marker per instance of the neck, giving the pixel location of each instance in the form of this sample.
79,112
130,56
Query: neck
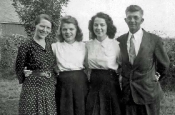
134,31
70,42
37,38
100,39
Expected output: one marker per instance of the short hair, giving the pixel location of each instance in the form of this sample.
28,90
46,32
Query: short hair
44,16
111,29
134,8
70,20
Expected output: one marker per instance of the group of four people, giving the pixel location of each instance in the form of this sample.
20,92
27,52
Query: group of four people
124,73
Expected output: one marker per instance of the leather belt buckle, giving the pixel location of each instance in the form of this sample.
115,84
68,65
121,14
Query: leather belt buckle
48,74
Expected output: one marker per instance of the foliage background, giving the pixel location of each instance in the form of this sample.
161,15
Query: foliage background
28,10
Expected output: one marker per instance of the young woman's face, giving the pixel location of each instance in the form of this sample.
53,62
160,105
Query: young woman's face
43,28
100,27
68,31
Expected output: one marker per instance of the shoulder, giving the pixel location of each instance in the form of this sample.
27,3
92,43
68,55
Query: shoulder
154,38
89,43
56,44
119,39
114,42
81,45
26,44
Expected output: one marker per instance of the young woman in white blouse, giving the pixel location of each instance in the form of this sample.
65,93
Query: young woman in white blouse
102,58
72,82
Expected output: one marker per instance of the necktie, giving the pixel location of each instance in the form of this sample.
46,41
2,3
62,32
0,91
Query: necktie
132,53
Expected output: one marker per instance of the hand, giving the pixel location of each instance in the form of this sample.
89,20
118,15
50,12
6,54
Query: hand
88,73
120,81
157,75
27,72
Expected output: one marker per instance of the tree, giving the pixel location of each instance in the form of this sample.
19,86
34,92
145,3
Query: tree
28,10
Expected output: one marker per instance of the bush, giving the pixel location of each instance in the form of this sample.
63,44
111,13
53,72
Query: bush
28,10
168,81
9,47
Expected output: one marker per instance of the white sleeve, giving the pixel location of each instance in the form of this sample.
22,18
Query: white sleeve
53,45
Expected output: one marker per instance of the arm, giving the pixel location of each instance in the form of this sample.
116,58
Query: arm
162,60
21,61
55,67
87,70
119,61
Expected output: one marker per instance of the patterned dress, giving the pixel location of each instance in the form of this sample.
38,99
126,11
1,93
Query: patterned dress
38,92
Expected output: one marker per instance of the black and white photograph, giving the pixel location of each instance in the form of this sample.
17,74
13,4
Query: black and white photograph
87,57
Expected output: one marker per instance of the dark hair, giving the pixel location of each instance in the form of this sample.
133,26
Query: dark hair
44,16
134,8
69,19
111,29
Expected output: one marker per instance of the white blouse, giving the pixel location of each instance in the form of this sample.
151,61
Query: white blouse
103,55
69,56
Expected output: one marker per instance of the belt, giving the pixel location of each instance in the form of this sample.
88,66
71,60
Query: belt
110,70
107,70
46,74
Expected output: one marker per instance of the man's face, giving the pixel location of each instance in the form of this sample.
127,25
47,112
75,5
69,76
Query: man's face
134,20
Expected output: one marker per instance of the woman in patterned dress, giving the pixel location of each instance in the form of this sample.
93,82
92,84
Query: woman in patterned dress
103,60
72,81
38,87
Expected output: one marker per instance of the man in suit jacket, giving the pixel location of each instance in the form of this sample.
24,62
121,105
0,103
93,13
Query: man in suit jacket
144,62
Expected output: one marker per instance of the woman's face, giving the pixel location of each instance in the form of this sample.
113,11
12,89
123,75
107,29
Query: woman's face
68,31
43,28
100,27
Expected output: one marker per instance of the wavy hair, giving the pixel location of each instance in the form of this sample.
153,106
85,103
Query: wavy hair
70,20
134,8
44,16
111,29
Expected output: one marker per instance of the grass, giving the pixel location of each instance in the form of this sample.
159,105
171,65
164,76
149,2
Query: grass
168,104
9,97
10,91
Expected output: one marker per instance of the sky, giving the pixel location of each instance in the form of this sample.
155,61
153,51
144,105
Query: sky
159,15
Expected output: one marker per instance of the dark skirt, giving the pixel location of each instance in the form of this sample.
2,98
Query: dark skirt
104,93
71,92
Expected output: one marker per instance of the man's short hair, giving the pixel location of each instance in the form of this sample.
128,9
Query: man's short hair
134,8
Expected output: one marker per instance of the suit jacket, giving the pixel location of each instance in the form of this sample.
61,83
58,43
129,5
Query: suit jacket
138,80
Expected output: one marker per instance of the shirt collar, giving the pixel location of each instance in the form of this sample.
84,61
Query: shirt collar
67,44
137,35
105,41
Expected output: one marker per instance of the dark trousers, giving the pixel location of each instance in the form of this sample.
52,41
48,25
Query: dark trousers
132,108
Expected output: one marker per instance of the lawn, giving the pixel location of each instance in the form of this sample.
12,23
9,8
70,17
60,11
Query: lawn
10,91
9,96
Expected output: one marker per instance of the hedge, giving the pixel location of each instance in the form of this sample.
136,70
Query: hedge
8,50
